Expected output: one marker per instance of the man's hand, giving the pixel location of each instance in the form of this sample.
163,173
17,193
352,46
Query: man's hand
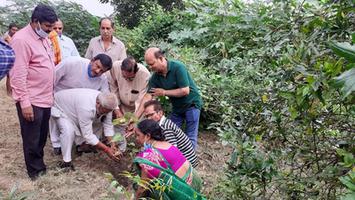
28,114
112,154
117,114
157,92
8,86
116,150
129,130
109,151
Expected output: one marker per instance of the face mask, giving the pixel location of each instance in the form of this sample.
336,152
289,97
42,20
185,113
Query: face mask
89,71
41,32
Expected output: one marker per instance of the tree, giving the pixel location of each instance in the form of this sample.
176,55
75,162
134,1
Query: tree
130,12
79,24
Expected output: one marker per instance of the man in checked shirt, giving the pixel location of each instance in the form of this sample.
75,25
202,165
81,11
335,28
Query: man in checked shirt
7,58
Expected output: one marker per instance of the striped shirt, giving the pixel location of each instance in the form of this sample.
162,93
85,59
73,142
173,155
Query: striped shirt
175,136
7,59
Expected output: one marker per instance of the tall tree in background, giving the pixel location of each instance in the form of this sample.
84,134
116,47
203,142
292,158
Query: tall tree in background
129,12
79,24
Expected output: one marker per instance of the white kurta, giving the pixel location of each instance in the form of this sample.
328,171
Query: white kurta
73,73
74,113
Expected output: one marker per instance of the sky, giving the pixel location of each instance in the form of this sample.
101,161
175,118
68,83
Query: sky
93,6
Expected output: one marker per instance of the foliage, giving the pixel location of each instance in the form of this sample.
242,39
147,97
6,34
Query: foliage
276,87
79,25
14,194
268,81
348,77
116,190
156,27
130,12
349,179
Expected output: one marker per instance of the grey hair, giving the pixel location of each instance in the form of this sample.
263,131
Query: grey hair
108,100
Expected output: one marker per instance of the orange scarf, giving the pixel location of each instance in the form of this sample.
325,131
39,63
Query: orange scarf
56,48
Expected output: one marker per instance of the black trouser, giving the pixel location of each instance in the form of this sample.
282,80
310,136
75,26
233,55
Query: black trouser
34,137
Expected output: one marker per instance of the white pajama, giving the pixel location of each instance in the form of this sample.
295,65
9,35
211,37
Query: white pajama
73,73
74,114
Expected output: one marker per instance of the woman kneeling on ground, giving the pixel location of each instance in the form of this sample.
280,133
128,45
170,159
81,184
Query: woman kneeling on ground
157,151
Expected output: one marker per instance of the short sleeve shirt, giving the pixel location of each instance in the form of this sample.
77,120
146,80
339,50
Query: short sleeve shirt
117,50
177,77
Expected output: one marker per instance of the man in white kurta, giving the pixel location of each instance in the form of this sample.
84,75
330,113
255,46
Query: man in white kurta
128,81
76,112
77,72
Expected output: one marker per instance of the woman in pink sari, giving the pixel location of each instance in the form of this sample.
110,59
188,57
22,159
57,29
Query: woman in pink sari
158,151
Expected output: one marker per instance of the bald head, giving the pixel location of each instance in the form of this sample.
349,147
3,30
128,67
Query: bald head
155,59
151,52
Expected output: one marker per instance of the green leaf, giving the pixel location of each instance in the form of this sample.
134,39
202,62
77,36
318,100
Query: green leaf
117,137
350,196
343,49
347,182
348,79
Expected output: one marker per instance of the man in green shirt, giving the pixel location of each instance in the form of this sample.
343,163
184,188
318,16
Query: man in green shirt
171,78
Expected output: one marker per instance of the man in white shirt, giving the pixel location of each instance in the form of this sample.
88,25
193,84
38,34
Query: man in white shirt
78,113
78,72
106,43
67,45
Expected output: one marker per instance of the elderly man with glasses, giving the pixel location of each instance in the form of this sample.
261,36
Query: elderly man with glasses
128,81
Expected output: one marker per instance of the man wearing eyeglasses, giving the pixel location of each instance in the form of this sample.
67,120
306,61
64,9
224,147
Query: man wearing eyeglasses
128,81
172,133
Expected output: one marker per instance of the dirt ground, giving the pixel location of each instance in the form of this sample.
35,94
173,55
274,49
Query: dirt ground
88,180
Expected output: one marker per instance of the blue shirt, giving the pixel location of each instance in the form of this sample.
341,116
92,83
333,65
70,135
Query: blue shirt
7,58
67,47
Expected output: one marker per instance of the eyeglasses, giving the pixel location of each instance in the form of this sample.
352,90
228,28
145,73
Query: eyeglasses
149,115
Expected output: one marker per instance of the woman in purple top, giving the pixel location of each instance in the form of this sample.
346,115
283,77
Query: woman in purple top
158,151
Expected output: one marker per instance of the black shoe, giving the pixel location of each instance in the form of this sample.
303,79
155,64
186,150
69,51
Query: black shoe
66,166
39,174
57,151
85,148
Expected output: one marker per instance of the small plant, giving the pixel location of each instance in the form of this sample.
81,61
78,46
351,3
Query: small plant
348,179
14,194
118,191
